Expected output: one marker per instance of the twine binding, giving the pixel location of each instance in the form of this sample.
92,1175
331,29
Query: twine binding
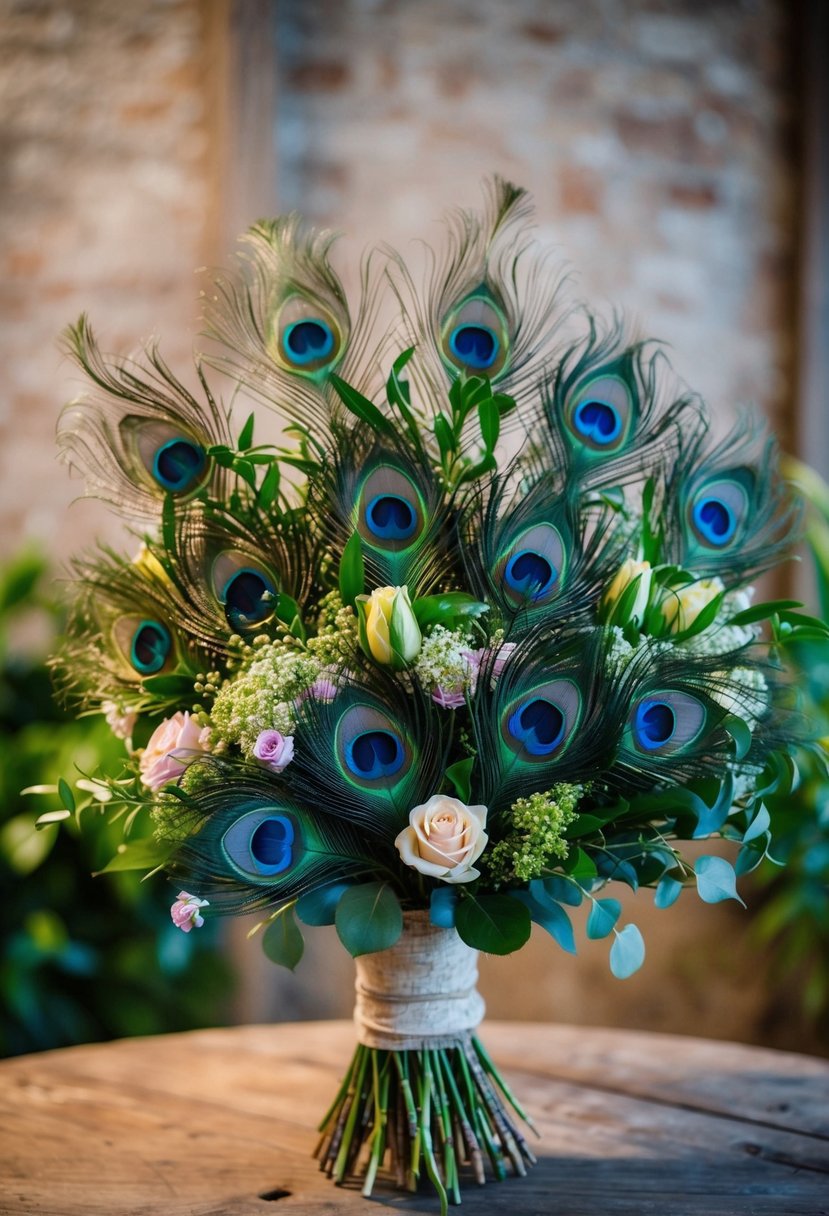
419,993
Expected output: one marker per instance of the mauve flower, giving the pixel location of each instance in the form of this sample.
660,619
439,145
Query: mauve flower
171,747
448,698
444,838
273,750
185,911
120,722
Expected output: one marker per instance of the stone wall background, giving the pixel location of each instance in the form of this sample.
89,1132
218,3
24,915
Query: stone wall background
658,140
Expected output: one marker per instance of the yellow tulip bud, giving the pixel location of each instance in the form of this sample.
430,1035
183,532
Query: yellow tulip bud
682,606
390,631
629,570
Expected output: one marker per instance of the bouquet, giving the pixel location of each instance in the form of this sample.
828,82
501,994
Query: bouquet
476,642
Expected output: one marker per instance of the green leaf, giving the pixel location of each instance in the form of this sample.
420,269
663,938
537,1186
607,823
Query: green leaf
627,953
716,880
490,420
245,440
269,487
444,435
496,924
66,795
368,918
603,917
352,570
451,606
579,865
551,917
460,774
169,686
668,891
138,855
282,940
318,907
761,612
359,405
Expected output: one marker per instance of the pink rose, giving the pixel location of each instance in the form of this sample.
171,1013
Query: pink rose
448,698
324,687
502,657
172,746
273,750
185,911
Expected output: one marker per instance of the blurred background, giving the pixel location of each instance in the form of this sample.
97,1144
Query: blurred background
677,152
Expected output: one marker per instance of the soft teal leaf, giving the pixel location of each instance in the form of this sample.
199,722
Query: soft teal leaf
627,953
760,824
318,907
603,917
442,907
282,940
561,890
368,918
749,858
495,924
460,774
668,891
740,733
551,917
716,880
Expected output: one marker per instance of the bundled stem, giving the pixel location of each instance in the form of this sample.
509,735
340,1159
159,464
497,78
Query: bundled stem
436,1111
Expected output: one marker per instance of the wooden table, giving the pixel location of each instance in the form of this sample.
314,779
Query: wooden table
212,1123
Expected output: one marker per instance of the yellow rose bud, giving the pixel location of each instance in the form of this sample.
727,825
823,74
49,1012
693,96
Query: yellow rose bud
629,570
148,564
389,626
682,606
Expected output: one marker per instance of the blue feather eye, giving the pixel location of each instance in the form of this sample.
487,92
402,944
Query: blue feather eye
374,754
540,724
665,722
178,465
717,512
474,345
599,413
475,336
308,339
371,749
531,569
248,592
391,517
261,843
151,647
390,512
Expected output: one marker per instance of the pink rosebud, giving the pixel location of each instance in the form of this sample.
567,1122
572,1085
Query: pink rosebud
502,657
448,698
323,689
172,746
185,911
273,750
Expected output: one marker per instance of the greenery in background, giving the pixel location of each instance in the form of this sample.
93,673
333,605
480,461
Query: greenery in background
794,919
81,958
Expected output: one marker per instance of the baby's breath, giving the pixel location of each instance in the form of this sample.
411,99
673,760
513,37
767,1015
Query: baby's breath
261,697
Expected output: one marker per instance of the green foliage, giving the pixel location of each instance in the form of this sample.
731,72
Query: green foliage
282,940
81,958
368,918
496,924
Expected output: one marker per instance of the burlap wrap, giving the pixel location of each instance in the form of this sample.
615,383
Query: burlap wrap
419,993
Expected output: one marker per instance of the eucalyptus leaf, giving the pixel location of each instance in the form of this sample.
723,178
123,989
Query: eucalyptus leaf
282,940
318,907
603,917
368,918
716,880
627,953
443,906
760,824
551,917
668,891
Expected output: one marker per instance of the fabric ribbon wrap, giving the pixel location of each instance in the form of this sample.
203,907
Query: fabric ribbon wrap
420,992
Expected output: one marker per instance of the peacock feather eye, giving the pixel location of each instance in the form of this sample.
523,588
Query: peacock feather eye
248,592
390,512
665,722
475,338
718,511
308,339
371,749
146,644
538,725
175,461
179,464
598,413
531,570
261,843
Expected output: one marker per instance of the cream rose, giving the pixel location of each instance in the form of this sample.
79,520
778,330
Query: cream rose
682,606
171,747
444,838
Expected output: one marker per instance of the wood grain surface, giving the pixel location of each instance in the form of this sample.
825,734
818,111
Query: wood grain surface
221,1123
